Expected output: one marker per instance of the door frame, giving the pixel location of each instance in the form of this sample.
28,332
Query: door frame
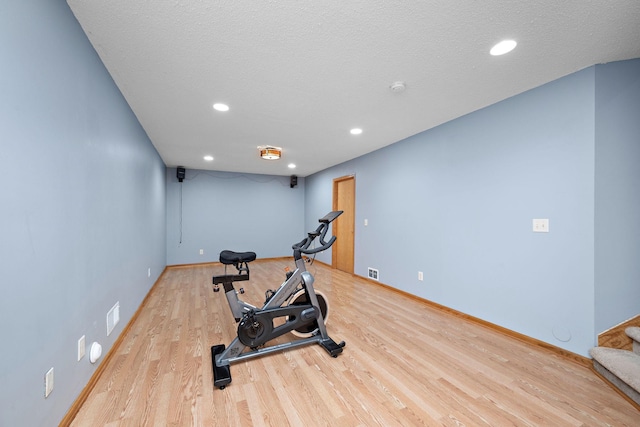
336,182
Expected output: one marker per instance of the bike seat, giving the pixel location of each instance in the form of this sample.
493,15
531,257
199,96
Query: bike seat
231,257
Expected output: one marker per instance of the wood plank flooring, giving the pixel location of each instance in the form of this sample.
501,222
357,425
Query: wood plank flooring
405,364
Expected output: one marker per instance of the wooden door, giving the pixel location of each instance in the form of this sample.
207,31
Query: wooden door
344,199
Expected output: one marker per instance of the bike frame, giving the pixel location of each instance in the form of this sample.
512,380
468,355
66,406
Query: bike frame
238,307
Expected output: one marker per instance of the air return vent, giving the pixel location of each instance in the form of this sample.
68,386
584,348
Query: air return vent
113,317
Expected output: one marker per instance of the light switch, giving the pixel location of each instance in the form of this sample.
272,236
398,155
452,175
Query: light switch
541,225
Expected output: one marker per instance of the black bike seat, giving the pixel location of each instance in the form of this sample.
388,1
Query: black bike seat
231,257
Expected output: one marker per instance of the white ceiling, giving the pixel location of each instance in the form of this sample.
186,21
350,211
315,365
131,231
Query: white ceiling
300,74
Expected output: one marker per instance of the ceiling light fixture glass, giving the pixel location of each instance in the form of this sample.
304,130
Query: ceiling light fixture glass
356,131
208,158
270,153
505,46
220,107
291,166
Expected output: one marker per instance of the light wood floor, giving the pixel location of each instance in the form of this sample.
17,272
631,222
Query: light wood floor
404,364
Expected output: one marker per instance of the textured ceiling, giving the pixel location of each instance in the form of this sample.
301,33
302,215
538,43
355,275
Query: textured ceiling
300,74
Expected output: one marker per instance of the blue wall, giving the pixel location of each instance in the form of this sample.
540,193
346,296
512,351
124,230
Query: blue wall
457,203
87,207
215,211
82,208
617,208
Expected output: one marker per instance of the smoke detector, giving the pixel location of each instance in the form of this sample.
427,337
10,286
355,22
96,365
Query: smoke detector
398,87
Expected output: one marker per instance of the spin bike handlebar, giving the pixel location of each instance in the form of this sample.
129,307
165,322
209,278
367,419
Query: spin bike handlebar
302,247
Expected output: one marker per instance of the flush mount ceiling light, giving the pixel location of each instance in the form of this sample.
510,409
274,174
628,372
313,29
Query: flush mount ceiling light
356,131
505,46
270,153
208,158
220,107
292,166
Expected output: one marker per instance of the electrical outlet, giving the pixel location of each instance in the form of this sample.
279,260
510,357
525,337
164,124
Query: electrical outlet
149,272
82,347
420,275
201,251
48,383
373,273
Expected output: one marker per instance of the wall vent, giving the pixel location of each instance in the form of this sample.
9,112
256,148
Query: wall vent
373,273
113,317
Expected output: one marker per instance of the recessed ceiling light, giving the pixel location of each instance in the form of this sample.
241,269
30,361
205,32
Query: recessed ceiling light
356,131
505,46
208,158
292,166
220,107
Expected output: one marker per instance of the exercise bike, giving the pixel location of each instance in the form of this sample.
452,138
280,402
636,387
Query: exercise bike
296,306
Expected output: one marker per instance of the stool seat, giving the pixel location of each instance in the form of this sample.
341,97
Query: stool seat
231,257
